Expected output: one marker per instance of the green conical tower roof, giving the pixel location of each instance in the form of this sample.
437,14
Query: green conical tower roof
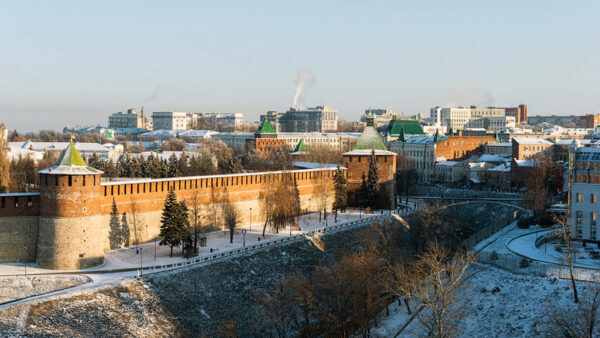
266,128
436,137
369,139
402,138
70,163
300,147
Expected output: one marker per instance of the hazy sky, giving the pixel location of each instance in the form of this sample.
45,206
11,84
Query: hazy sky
68,63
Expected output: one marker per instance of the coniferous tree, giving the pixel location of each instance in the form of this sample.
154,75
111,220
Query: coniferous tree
341,191
174,222
297,194
372,183
168,228
363,193
114,235
183,222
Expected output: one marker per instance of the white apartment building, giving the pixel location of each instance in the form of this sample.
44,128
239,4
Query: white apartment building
170,120
584,188
459,118
420,150
214,121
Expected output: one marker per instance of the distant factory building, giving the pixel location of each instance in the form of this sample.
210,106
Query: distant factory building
316,119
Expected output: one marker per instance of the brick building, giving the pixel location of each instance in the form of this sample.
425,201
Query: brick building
524,148
425,151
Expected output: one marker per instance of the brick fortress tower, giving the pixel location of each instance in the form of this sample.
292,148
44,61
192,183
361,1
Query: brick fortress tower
70,221
357,162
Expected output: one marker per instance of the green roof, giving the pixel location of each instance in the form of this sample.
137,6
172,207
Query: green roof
266,128
411,127
369,139
301,147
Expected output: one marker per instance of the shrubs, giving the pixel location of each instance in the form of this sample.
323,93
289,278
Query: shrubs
545,220
524,222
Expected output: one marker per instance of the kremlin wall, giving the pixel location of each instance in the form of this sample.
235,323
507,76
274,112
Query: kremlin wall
66,225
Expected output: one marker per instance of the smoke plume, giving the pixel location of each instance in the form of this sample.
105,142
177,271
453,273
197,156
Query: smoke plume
487,100
154,94
304,82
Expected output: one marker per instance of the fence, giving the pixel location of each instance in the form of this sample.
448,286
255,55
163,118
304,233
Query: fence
522,265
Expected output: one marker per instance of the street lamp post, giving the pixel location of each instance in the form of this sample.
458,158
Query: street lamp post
155,238
141,262
309,208
250,227
244,237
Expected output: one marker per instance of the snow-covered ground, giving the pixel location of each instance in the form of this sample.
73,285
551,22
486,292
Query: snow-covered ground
128,258
153,254
496,303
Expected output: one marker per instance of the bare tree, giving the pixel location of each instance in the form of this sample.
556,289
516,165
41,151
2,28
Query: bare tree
279,203
136,223
433,284
195,216
580,320
4,163
566,237
230,217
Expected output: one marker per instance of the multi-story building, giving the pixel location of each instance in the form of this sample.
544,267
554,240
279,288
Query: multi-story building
501,148
568,121
519,113
425,151
129,119
459,118
526,148
583,190
221,121
381,117
170,120
317,119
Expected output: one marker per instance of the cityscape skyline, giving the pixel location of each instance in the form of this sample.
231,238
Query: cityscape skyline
76,63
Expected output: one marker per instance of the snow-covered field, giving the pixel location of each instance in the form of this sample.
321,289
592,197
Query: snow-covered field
497,303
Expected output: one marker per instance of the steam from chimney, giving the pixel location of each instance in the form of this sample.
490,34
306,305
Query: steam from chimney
154,94
304,82
487,100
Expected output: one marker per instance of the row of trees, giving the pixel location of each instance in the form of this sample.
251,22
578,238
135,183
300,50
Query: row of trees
346,297
192,164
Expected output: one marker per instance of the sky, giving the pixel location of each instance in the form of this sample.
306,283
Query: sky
67,63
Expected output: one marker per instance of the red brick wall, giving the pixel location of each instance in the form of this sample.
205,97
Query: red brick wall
211,189
19,205
455,147
359,165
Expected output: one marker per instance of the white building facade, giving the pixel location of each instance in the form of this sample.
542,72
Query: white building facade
170,120
584,188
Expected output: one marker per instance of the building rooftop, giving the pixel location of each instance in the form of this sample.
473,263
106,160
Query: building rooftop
411,127
531,140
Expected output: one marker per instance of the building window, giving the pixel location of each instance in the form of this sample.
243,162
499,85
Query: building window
593,198
579,215
579,197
